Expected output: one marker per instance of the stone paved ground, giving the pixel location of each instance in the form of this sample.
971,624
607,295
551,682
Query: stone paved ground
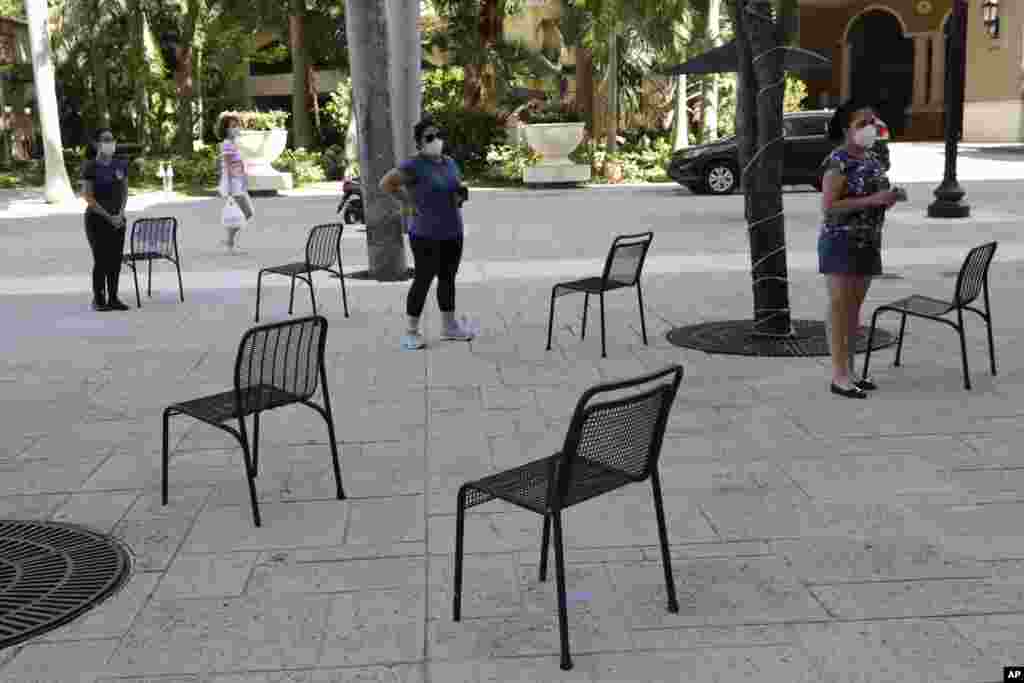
814,539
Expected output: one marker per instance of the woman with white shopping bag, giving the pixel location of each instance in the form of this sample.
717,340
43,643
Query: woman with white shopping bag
234,183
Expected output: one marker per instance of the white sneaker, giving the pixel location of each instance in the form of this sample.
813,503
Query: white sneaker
412,341
457,331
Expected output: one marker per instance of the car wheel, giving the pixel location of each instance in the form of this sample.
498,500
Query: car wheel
695,188
350,213
720,178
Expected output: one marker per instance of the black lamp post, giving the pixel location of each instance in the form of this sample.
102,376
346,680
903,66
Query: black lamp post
949,195
990,17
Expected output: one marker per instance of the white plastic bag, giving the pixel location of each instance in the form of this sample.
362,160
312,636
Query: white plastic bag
231,216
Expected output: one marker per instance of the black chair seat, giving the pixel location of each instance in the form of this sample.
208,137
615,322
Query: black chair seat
297,268
527,485
218,408
921,305
591,285
147,256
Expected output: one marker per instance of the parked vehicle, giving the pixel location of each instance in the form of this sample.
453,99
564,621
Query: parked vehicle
351,205
714,167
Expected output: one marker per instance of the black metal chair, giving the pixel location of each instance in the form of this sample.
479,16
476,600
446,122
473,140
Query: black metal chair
609,444
277,365
153,239
622,268
323,250
970,282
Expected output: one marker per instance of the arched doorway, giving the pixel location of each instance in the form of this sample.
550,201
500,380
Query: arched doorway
882,65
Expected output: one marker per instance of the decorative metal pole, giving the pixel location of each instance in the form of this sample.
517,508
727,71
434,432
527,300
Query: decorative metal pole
949,195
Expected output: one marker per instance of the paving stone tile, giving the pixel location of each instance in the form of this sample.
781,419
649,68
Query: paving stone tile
402,673
491,586
773,663
923,598
993,450
183,678
714,591
113,617
285,525
82,662
98,510
500,397
339,553
719,477
383,469
990,485
504,530
374,627
46,476
155,533
378,520
986,532
203,636
486,422
919,650
517,670
877,478
283,577
518,449
548,374
455,399
456,454
37,506
841,560
207,576
125,470
716,637
999,637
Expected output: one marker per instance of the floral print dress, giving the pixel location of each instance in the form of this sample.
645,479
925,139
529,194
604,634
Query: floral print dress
850,240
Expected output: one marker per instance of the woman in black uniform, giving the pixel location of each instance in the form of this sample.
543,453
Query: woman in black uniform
105,189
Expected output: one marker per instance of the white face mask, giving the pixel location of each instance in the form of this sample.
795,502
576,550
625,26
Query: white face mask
107,148
866,136
233,133
434,148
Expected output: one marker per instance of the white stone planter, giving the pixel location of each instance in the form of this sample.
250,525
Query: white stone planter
260,148
555,142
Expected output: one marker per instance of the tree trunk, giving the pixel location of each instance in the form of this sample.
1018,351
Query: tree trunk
759,116
302,129
140,68
184,74
99,82
681,117
405,79
709,112
585,86
313,97
58,187
613,92
366,26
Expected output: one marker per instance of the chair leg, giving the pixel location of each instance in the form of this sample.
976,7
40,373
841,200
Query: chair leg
991,345
250,472
871,343
328,415
586,306
259,285
604,349
312,293
135,279
545,541
181,288
963,347
149,280
659,510
563,617
256,444
344,297
551,316
899,342
643,322
460,529
291,297
165,457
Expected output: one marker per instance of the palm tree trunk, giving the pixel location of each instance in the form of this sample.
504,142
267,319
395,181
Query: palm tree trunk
184,78
366,25
302,128
58,187
613,92
760,115
585,85
681,117
140,68
709,112
406,88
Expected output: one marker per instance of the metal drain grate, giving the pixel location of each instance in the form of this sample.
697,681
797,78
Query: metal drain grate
735,337
52,572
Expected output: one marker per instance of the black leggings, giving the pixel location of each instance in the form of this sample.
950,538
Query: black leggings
107,244
433,258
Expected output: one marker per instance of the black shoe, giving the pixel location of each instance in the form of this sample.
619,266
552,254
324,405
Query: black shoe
851,391
866,384
118,305
99,306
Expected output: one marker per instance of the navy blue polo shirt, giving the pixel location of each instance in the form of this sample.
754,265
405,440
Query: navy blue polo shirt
109,182
433,184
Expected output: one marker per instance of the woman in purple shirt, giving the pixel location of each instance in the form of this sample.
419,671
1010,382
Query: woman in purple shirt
430,188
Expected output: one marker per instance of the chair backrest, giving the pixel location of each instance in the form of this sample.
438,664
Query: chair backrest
974,273
155,236
625,433
323,248
626,258
287,356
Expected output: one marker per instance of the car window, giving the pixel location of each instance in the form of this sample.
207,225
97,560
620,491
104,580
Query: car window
807,126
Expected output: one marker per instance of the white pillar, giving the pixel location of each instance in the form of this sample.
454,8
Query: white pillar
845,69
938,89
920,89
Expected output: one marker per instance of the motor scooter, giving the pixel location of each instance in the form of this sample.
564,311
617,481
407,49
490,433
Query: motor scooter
351,205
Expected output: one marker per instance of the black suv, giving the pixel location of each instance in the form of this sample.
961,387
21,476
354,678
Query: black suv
715,167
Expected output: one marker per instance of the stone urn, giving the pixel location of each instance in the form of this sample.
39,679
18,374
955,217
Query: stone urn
554,142
261,148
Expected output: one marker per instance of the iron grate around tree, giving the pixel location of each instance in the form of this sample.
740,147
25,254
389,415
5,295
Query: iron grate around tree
53,572
735,337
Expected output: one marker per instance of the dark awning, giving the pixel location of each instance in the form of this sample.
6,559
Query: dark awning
725,59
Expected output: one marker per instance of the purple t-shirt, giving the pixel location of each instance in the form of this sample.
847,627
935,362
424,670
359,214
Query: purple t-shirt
433,185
